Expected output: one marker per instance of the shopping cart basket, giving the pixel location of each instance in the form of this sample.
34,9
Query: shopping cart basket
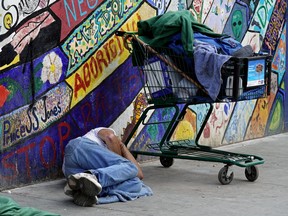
169,84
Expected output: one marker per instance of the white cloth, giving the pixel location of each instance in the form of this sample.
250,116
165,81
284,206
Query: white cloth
93,135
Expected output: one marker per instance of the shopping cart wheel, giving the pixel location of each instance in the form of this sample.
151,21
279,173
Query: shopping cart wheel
166,161
251,173
225,176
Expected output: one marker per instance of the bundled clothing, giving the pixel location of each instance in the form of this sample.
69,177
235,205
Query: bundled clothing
158,30
203,50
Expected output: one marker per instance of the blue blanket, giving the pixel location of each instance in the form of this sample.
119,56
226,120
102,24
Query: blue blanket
117,195
208,64
207,61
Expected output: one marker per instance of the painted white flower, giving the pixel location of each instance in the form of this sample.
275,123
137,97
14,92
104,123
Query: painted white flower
52,68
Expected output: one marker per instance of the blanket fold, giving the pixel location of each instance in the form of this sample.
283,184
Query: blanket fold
117,195
208,64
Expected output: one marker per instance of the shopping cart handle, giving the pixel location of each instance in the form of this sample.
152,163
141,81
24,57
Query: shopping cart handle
120,33
125,33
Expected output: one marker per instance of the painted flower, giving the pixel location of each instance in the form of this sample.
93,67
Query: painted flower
52,68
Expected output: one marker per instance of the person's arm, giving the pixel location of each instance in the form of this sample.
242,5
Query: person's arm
114,144
127,154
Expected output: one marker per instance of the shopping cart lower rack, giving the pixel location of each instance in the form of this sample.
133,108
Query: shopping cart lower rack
170,88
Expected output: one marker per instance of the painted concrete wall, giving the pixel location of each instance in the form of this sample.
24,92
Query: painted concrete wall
63,72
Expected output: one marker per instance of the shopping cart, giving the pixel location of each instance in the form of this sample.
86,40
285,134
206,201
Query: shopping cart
171,88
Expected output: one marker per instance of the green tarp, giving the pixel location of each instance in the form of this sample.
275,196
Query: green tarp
157,31
8,207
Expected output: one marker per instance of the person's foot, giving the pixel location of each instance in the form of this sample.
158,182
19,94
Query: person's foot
81,199
68,191
86,183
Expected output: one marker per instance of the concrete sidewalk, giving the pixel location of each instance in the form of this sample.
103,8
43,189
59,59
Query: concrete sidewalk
187,188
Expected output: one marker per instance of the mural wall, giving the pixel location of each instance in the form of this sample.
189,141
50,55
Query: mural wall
63,72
